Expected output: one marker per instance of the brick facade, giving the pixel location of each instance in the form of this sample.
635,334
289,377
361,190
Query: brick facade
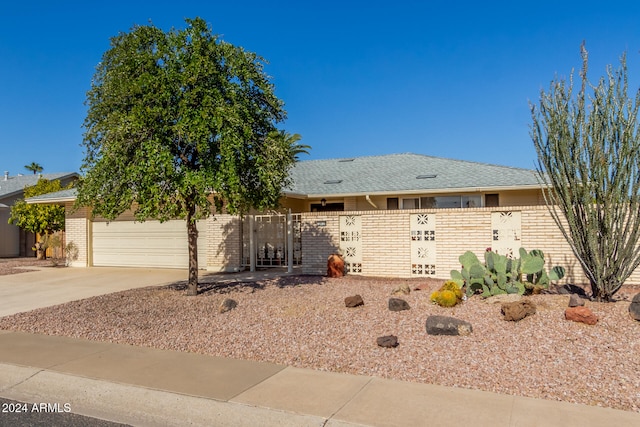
77,232
385,240
224,243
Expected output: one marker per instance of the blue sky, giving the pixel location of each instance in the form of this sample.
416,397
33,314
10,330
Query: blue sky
443,78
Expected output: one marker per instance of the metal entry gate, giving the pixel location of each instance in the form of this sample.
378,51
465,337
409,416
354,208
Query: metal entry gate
270,239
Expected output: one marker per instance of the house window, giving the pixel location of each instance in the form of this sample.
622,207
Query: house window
474,201
440,202
410,203
448,202
392,203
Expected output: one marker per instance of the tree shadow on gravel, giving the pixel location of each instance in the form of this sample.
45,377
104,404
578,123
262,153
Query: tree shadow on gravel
220,285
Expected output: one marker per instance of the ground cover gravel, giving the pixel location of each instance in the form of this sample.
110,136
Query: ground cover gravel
20,265
302,321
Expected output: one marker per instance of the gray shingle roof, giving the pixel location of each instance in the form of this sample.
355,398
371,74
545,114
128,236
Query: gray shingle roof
15,184
387,174
398,173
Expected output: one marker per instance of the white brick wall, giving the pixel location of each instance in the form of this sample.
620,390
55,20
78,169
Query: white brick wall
387,246
77,231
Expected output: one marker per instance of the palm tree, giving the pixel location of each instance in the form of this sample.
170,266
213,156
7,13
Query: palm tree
291,140
34,167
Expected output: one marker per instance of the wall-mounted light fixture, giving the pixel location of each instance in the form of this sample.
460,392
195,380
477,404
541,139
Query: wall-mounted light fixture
323,202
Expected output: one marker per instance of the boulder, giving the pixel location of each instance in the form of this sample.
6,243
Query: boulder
335,266
388,341
402,290
444,325
575,301
397,304
634,307
581,314
518,310
353,301
227,304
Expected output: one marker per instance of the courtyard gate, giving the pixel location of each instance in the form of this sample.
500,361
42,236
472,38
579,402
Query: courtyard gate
270,241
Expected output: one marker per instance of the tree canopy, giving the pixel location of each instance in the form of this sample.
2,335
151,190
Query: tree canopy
588,148
176,119
38,218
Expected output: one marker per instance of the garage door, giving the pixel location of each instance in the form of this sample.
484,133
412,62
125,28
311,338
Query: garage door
145,244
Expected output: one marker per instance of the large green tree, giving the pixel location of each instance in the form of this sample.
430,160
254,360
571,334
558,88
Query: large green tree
41,219
175,120
588,148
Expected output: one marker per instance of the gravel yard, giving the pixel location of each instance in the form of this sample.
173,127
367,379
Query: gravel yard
302,321
20,265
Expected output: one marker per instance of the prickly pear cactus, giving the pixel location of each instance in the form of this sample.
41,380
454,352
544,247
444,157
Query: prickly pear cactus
503,275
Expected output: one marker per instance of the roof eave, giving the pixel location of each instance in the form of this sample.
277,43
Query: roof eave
429,191
49,201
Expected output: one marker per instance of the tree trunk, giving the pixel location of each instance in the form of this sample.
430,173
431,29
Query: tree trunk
192,233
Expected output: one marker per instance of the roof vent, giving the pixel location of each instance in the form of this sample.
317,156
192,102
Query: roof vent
426,176
345,160
333,181
6,175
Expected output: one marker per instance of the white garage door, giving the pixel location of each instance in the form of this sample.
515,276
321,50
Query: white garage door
145,244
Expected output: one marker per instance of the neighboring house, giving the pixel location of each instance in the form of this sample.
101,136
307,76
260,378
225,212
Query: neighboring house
394,186
407,181
15,242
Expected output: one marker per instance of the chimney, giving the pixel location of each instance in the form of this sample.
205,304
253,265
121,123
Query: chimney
6,175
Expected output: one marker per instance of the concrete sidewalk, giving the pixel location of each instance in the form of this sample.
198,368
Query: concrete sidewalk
149,387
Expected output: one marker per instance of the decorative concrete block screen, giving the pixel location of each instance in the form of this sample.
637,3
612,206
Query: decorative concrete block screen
351,242
423,244
506,229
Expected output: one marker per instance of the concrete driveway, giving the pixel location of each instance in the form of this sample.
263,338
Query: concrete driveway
51,286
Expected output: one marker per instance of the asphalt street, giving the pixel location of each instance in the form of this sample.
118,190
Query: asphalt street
22,414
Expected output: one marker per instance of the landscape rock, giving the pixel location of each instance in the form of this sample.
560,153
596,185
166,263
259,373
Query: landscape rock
388,341
227,304
422,287
518,310
575,301
581,314
353,301
402,290
634,307
397,304
335,266
444,325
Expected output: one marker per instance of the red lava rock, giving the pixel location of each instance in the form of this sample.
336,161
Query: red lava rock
335,266
581,314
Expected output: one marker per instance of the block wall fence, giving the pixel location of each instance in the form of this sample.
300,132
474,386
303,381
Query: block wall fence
385,240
